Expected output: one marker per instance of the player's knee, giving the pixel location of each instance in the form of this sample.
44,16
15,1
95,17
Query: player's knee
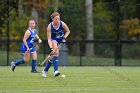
34,58
26,60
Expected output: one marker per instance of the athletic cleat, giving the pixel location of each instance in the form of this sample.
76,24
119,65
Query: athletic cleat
35,71
56,73
13,66
44,74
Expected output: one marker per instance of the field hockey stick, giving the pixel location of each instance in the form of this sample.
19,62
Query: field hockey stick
20,55
48,57
32,48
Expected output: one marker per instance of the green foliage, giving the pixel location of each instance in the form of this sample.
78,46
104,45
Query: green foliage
131,26
76,18
72,13
2,14
18,27
103,26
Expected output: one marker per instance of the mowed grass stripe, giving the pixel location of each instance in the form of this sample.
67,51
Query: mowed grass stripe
77,80
72,89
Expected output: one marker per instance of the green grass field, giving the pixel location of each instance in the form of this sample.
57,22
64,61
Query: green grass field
78,80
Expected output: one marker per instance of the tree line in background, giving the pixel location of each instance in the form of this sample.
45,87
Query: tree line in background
75,14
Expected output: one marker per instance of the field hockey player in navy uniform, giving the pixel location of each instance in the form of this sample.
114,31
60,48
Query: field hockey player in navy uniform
57,32
27,48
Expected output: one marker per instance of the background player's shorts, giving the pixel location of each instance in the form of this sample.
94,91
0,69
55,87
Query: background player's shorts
59,40
24,49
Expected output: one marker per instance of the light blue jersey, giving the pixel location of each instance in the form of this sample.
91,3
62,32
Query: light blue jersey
30,41
57,34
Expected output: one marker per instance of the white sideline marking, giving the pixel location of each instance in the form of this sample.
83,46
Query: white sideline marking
70,89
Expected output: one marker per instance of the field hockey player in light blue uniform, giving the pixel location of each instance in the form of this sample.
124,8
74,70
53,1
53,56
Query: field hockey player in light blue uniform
28,43
57,32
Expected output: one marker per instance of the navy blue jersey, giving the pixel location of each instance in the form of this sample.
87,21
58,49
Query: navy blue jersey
30,40
57,34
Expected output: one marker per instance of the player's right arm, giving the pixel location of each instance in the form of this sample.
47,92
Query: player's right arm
49,35
26,36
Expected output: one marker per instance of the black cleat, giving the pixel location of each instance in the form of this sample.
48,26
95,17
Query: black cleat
35,71
13,66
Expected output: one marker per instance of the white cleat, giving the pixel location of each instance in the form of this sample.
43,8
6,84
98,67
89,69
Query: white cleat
44,74
56,73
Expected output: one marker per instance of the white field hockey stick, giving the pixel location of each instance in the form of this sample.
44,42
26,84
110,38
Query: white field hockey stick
48,57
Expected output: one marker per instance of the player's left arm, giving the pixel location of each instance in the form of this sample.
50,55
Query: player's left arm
66,29
39,40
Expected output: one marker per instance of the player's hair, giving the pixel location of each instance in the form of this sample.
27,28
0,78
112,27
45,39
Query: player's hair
31,20
54,14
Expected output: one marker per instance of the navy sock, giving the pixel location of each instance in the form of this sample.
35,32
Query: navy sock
48,65
19,61
34,65
55,63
